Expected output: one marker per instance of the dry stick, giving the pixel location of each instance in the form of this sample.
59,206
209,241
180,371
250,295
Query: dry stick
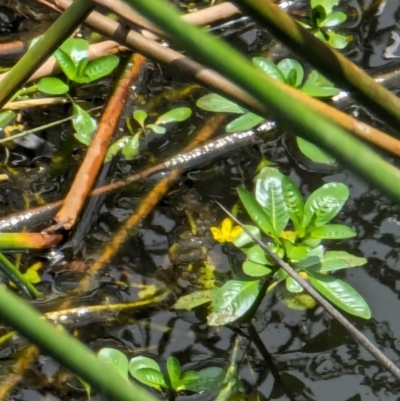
144,208
183,161
44,101
357,335
50,66
215,81
87,173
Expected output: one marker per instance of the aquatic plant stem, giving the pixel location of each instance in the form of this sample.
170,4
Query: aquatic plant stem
36,55
357,335
328,61
95,154
285,102
64,348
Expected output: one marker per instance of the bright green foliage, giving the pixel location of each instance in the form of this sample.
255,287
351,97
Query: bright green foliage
147,371
73,59
323,18
275,204
129,145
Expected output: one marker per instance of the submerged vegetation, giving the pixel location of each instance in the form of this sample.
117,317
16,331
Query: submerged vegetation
164,295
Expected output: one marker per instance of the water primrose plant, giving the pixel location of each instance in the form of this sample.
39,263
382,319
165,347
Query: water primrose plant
129,145
147,371
295,229
73,59
290,72
322,19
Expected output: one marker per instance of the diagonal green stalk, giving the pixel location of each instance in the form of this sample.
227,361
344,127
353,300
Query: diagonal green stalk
299,118
330,62
67,350
44,47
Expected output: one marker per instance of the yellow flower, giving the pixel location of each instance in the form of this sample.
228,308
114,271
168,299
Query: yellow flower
227,233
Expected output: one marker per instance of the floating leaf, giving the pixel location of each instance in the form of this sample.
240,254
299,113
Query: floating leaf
131,147
255,211
245,122
269,194
140,116
157,129
290,66
244,239
313,152
151,377
269,68
52,86
207,379
115,358
232,301
333,19
195,299
341,294
332,231
175,115
324,204
84,125
99,68
174,371
218,104
254,269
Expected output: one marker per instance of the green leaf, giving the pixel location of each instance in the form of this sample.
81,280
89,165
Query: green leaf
255,211
52,86
84,125
294,202
174,371
86,386
333,19
324,204
295,252
66,64
314,153
326,4
151,377
336,260
257,255
140,116
269,194
175,115
131,147
254,269
269,68
341,294
245,122
287,66
232,301
337,40
6,116
293,286
116,147
77,49
317,85
332,231
115,358
218,104
207,379
195,299
157,129
142,362
99,68
244,239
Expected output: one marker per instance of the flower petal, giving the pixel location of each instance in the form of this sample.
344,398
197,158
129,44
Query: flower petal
235,232
217,234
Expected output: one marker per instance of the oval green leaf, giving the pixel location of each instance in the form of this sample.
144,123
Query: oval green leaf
157,129
257,255
332,231
77,49
141,362
269,68
294,201
131,147
52,86
254,269
244,239
324,204
207,379
338,41
174,371
291,67
333,19
327,4
313,152
269,194
218,104
245,122
336,260
84,125
66,64
115,358
175,115
232,301
99,68
140,116
255,211
151,377
293,286
195,299
116,147
341,294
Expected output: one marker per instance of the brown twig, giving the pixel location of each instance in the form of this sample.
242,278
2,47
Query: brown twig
87,173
